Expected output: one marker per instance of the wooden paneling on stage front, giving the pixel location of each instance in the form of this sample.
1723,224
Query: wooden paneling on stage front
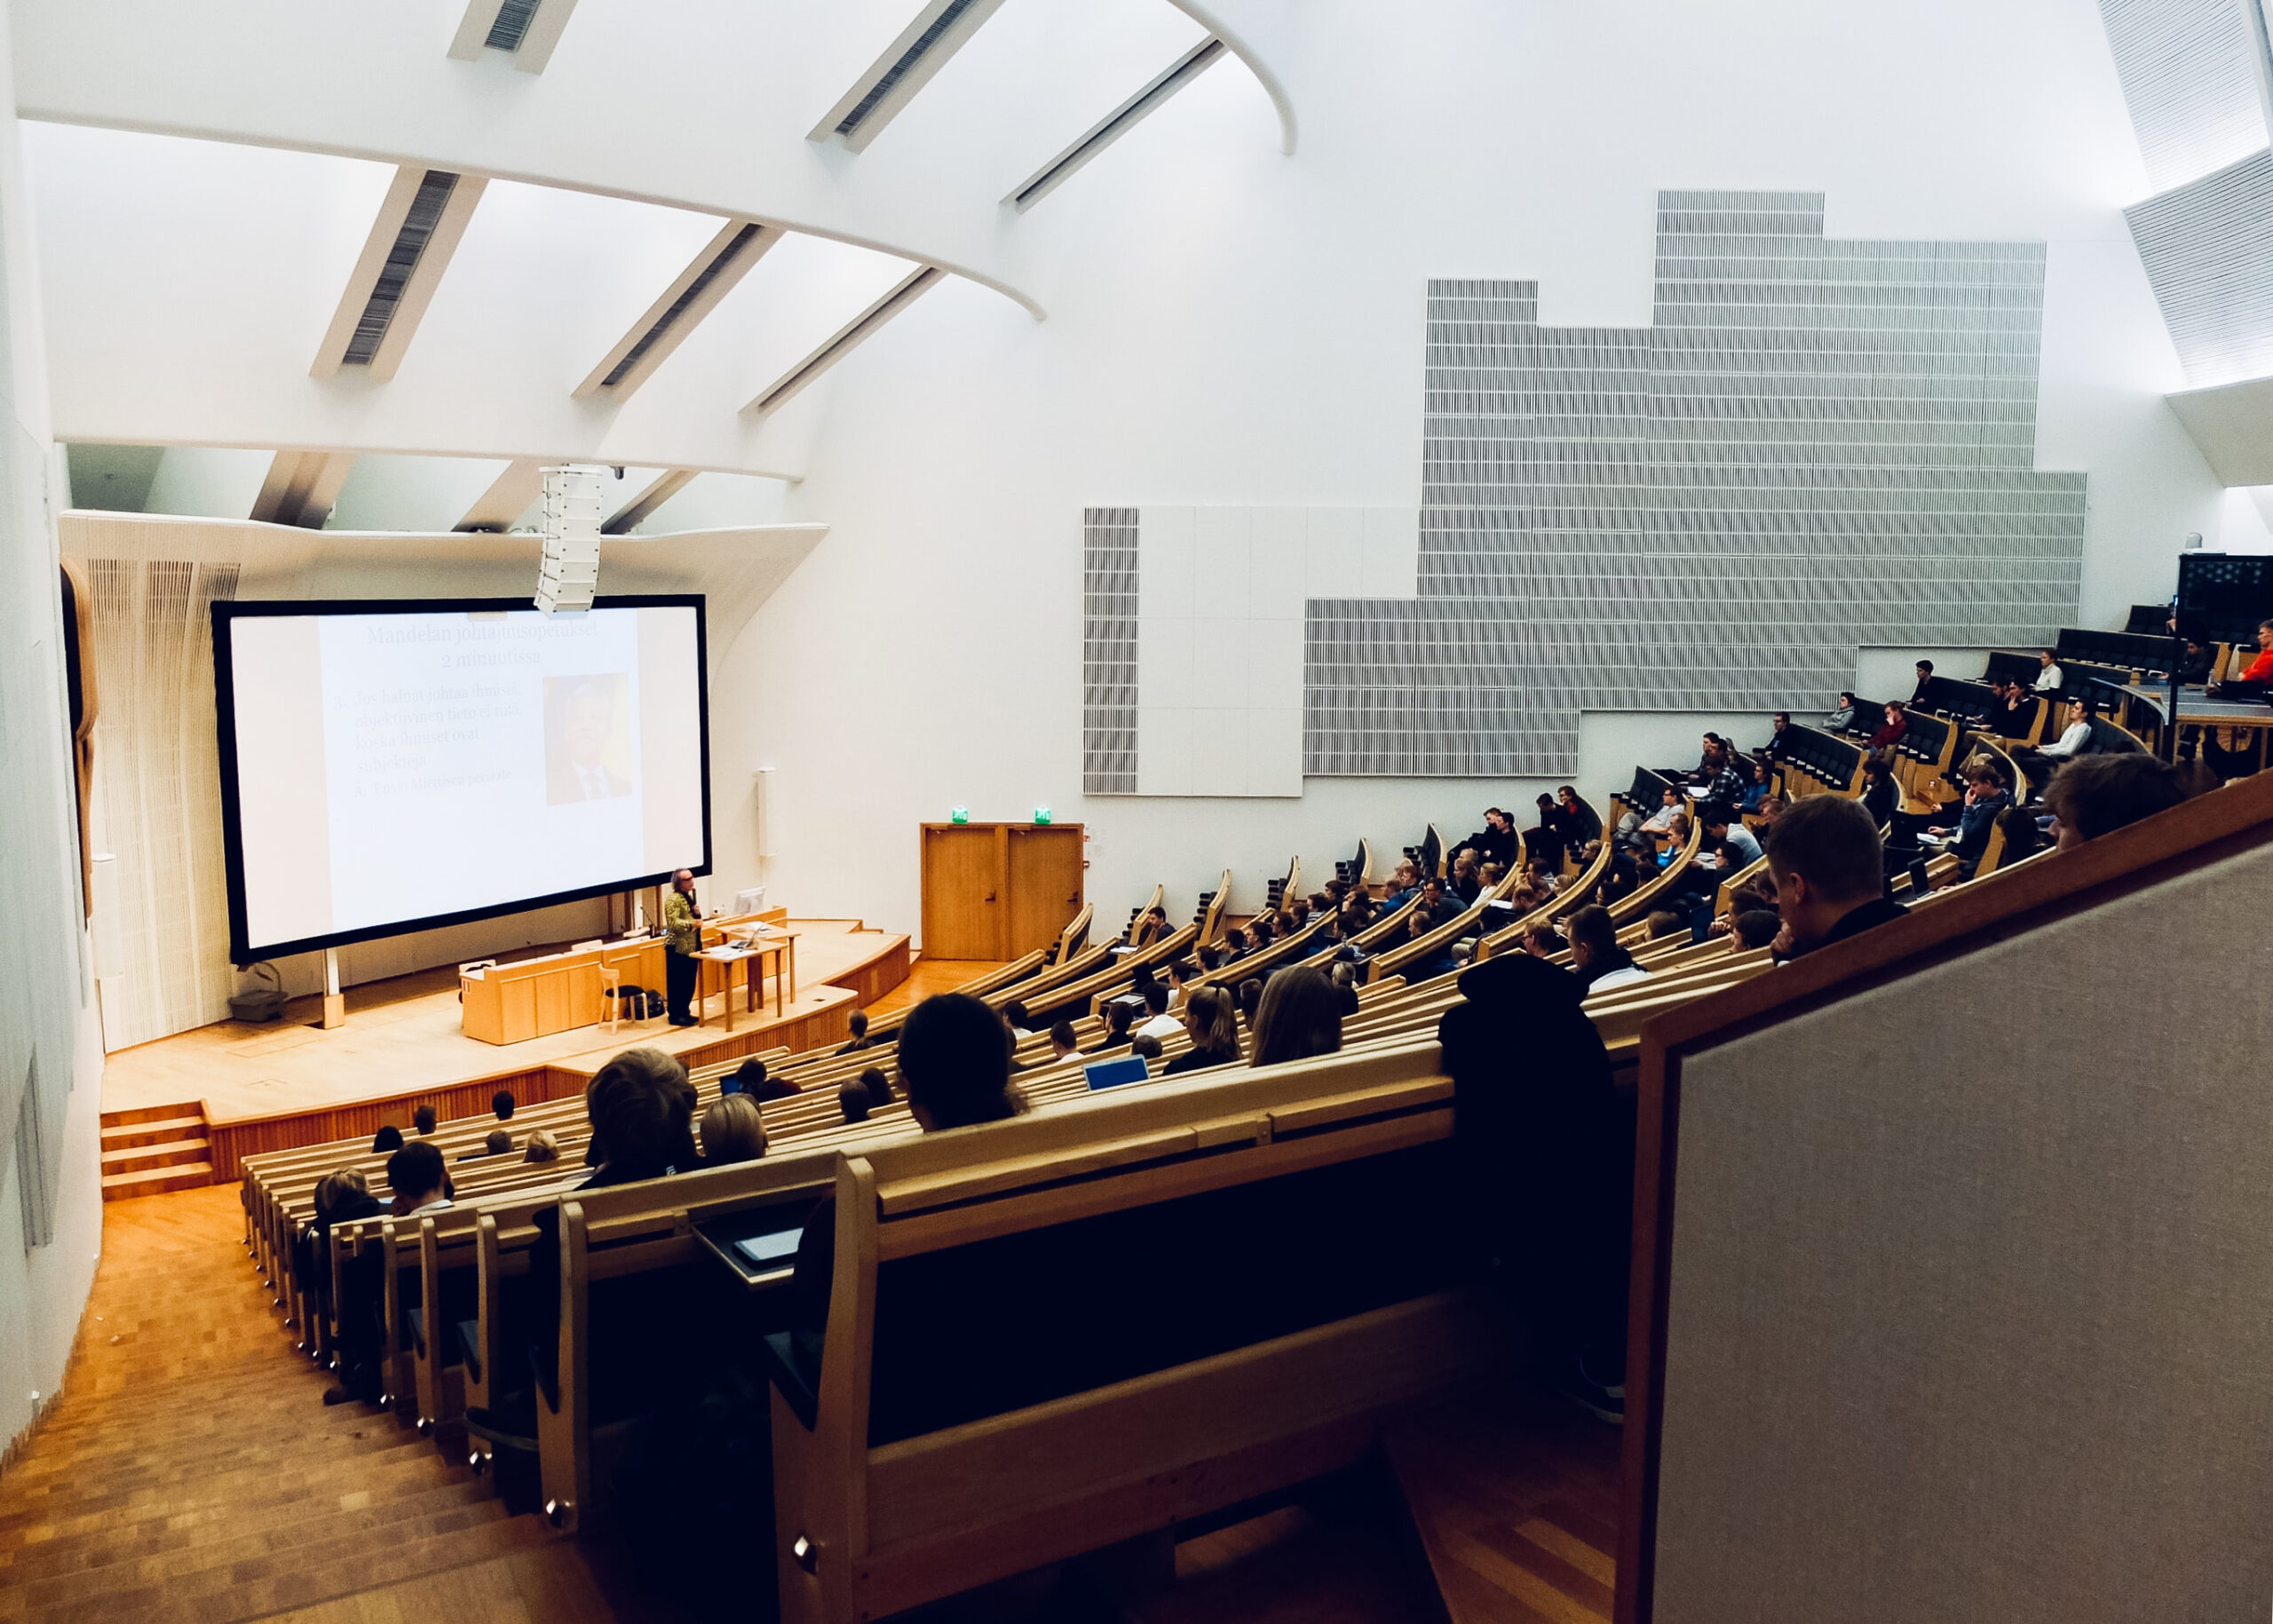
291,1083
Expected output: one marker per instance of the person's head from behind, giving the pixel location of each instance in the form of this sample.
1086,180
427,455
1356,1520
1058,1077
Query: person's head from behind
423,1120
1014,1013
1594,937
858,1022
415,1173
638,1109
1300,1015
1827,861
497,1143
1873,771
1156,999
1755,927
543,1146
1539,940
1212,1021
2022,834
879,1086
1665,921
502,1103
388,1138
1118,1015
1183,973
1144,1046
733,1130
954,1062
1250,999
2096,795
1715,818
334,1190
1546,807
1062,1041
853,1103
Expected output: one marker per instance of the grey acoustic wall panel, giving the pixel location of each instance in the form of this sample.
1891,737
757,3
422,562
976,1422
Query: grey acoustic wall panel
2208,248
1815,444
2189,81
1109,651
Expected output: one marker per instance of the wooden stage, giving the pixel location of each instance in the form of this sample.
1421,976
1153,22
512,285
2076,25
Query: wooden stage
291,1082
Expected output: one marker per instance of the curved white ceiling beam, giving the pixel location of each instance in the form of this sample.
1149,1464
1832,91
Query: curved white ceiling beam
269,74
1210,18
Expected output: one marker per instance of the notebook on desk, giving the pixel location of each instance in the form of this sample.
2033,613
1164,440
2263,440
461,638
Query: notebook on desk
779,1246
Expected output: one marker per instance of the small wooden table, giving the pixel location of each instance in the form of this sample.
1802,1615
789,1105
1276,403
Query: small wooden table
783,948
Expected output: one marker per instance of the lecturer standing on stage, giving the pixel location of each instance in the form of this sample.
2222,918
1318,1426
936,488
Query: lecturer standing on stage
682,940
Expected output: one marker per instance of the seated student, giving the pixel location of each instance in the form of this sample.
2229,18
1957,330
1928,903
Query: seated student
1144,1046
858,1022
1421,925
1061,1041
1345,979
1722,824
1297,913
341,1196
2096,795
1546,1153
750,1078
2075,732
879,1085
423,1120
1755,927
1258,933
1677,840
853,1102
388,1138
1830,872
1497,842
1250,1000
954,1062
1210,1016
2023,835
732,1130
1896,724
1158,1023
498,1143
1597,959
1711,754
1842,714
1541,941
1149,928
1014,1017
1781,741
1579,823
1437,907
1300,1016
1771,807
1405,880
1761,786
1119,1016
2048,677
1672,805
1925,681
502,1102
2012,719
2261,670
1664,922
543,1146
2194,668
1466,881
414,1174
1986,797
1545,843
1881,798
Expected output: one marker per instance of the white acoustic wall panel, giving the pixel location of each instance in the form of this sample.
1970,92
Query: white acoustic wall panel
2191,82
2206,247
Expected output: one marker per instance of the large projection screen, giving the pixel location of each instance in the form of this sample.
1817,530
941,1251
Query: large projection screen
394,766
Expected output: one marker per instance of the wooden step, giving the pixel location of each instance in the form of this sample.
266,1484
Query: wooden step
154,1132
192,1109
169,1153
156,1181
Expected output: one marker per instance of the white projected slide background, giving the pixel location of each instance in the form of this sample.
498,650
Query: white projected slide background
407,766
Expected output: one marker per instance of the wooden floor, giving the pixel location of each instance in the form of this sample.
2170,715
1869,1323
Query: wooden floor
189,1472
926,977
404,1032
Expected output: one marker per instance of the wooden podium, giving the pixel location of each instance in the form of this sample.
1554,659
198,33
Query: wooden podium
533,998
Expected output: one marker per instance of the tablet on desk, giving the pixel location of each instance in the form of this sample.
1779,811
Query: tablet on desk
1112,1073
773,1249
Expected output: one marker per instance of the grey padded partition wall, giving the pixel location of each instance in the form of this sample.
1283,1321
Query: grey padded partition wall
1989,1336
1814,445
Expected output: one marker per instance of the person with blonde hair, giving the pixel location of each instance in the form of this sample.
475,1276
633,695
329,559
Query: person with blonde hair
1213,1020
733,1130
543,1146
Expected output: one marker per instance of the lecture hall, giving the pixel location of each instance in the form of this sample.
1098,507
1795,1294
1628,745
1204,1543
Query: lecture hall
771,852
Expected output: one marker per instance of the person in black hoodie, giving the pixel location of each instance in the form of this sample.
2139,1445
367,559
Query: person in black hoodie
1545,1148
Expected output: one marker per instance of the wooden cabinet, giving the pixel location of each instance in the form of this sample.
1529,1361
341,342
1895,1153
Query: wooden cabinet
995,890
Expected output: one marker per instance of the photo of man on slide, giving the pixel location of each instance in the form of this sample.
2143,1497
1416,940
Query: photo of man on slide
587,738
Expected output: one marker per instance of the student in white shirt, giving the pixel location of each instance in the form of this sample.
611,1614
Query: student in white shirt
2048,678
1160,1022
2076,738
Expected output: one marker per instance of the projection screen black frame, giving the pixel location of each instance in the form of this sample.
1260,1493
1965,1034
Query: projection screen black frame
242,952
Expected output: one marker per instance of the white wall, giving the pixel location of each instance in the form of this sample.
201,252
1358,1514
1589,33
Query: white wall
46,1016
1246,330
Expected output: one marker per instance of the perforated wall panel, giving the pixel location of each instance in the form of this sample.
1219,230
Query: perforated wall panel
1109,651
2206,247
2190,83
